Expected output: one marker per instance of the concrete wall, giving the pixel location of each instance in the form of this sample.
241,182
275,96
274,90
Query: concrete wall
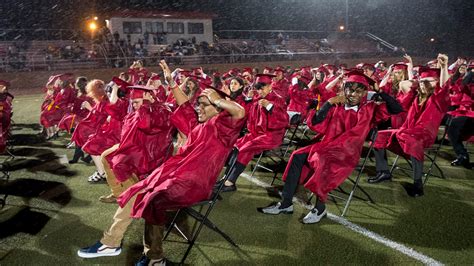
116,24
32,82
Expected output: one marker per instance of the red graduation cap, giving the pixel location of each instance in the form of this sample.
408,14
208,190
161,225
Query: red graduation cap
247,69
400,66
359,77
52,80
279,69
137,91
121,83
5,83
322,69
428,72
264,78
154,76
367,65
331,67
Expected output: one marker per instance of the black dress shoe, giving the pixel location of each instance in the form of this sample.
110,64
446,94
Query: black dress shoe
462,161
381,176
229,188
413,190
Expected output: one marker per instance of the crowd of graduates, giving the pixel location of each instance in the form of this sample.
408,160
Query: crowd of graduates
161,140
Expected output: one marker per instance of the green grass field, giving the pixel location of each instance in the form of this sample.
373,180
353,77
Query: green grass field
52,211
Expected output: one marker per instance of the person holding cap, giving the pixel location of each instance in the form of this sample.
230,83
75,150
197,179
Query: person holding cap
60,97
145,142
267,120
343,122
5,113
108,134
420,128
183,179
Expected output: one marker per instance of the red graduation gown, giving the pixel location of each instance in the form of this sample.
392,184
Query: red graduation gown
461,99
420,128
109,132
144,143
188,176
405,100
266,129
281,87
299,100
5,118
332,160
57,107
76,115
91,123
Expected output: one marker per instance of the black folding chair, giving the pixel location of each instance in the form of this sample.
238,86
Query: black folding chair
355,182
277,155
203,218
435,149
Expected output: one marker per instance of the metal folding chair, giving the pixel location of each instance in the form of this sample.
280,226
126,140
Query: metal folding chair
435,149
355,182
277,155
203,218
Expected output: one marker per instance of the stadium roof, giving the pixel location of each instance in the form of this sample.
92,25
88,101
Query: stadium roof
161,14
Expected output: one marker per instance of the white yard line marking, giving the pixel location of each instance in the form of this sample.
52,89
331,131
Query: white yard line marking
361,230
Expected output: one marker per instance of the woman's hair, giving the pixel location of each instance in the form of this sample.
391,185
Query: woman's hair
81,83
456,75
239,80
96,89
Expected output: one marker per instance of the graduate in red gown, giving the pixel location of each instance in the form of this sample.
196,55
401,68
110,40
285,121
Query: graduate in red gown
60,97
301,96
145,142
76,113
280,84
138,74
267,121
97,115
344,123
461,111
5,113
420,128
184,179
108,134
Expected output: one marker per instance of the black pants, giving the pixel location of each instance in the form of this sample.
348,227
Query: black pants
293,177
381,164
454,133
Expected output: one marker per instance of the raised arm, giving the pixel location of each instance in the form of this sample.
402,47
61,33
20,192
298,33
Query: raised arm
178,94
409,66
333,83
444,75
386,77
234,109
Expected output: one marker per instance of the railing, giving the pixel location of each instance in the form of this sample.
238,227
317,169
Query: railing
381,41
194,60
40,34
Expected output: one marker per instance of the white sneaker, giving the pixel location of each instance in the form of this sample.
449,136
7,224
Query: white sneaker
99,250
275,209
312,217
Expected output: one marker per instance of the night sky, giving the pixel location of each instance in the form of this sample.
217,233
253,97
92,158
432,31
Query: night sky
405,23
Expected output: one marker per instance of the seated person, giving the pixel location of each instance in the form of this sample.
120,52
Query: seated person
267,120
183,180
344,121
5,113
145,143
420,128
